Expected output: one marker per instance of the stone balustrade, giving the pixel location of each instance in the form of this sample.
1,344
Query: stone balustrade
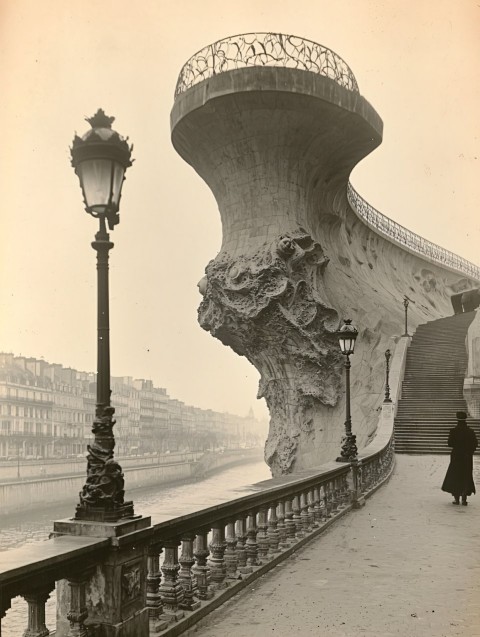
179,570
32,572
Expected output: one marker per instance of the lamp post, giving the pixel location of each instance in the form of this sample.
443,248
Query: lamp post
100,159
347,336
406,301
387,376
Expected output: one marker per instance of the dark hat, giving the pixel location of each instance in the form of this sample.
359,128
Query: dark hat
461,415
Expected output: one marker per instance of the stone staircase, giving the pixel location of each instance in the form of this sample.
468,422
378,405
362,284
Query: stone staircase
432,389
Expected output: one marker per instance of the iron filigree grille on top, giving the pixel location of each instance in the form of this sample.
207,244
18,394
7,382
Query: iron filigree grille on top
264,49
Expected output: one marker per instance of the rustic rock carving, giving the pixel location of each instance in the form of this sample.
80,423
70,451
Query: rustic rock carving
268,307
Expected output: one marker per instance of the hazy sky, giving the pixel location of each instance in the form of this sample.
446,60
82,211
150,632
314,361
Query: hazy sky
416,61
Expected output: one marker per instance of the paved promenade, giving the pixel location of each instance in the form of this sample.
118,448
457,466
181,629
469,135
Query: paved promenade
407,564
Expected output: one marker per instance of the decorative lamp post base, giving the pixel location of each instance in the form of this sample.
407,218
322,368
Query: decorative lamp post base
100,514
102,496
349,449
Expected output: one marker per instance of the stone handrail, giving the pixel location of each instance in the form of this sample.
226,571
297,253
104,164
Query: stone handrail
264,49
223,548
405,238
32,572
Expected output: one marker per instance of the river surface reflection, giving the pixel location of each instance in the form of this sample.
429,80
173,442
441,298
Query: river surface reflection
160,503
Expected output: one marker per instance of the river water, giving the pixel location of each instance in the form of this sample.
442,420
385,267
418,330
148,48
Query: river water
158,502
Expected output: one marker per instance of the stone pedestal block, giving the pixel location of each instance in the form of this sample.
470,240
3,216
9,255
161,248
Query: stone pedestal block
115,589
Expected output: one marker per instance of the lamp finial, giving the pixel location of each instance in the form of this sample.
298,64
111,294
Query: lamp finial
100,120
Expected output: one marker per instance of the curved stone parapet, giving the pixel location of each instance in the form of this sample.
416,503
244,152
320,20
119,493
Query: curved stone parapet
408,240
276,145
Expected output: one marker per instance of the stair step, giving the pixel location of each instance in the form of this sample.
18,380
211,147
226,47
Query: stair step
432,388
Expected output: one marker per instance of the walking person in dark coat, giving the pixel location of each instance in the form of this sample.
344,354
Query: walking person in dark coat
459,479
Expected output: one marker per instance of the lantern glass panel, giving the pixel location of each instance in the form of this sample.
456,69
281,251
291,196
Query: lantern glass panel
350,345
118,177
347,344
101,181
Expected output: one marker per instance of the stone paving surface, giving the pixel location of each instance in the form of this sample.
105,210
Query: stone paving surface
406,564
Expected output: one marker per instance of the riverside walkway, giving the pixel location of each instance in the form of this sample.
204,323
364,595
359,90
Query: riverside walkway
408,563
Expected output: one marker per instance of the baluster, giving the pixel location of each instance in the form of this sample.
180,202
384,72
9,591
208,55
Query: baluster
231,557
200,569
154,599
368,477
185,575
77,613
346,490
334,495
360,483
297,518
371,475
281,526
317,508
342,497
321,503
36,600
339,491
327,500
272,533
251,543
216,562
311,510
262,538
364,478
382,468
171,590
289,521
241,529
304,513
346,486
331,498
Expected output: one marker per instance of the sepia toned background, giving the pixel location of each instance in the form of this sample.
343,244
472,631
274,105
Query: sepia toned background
417,62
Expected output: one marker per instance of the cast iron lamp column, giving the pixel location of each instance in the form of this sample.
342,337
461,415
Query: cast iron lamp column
406,301
347,336
387,377
100,159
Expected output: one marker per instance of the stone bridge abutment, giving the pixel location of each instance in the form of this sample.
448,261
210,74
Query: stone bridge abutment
276,145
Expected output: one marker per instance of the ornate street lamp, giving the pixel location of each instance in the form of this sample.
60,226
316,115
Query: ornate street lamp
347,335
387,376
100,159
406,301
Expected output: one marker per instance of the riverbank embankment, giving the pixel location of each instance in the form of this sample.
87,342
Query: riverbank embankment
140,472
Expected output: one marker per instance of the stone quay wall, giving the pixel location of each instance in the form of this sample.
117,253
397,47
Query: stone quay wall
16,497
62,467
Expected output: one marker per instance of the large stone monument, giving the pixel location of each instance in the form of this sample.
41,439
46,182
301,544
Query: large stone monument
274,125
